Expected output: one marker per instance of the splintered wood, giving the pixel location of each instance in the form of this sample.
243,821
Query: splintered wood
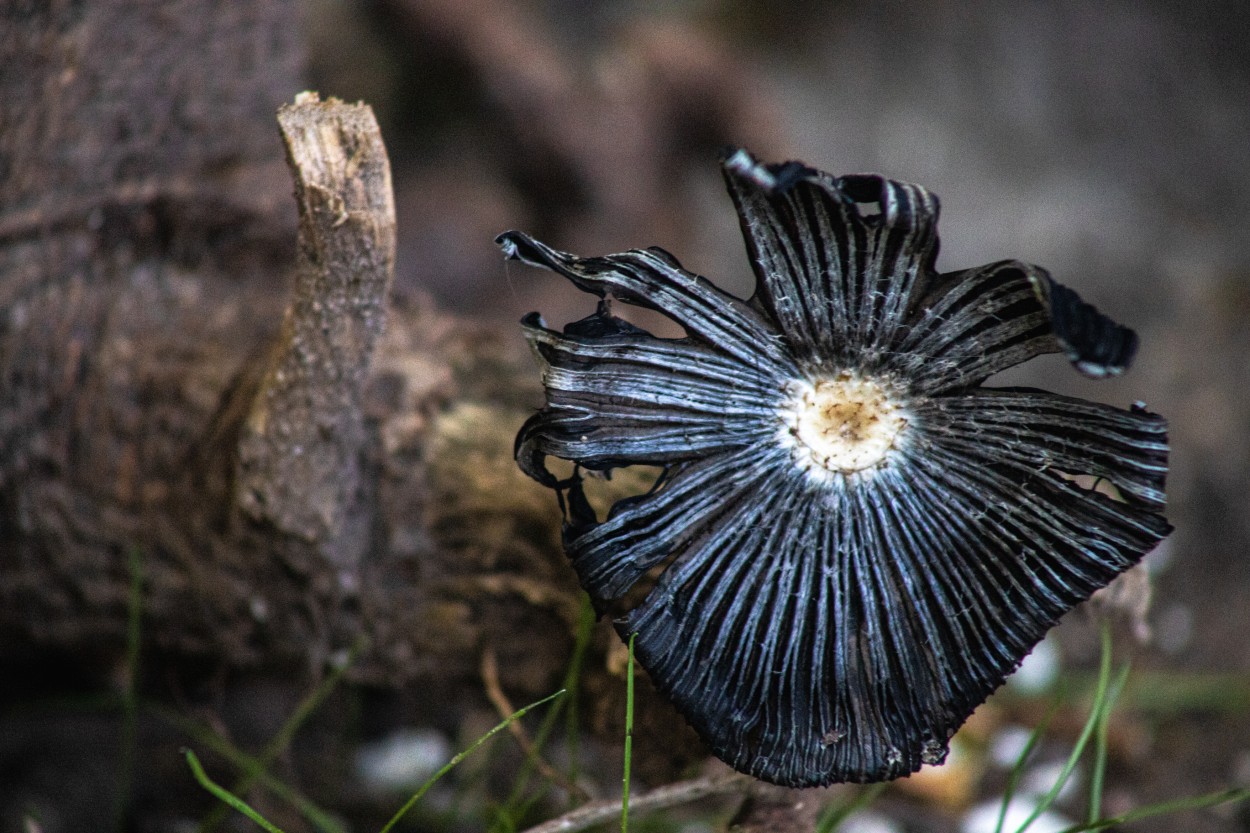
300,451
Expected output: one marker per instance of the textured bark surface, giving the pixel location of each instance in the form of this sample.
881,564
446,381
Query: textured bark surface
142,263
251,428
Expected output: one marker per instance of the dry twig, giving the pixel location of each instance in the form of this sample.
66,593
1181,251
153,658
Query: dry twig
494,693
670,795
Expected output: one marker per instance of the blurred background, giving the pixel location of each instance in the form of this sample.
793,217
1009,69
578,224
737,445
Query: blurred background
1109,143
1106,141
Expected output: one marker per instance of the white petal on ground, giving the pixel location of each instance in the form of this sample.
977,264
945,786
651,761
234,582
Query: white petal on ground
984,818
867,821
402,759
1040,780
1009,744
1038,671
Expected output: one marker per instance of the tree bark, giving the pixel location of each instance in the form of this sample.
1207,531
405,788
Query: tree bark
289,479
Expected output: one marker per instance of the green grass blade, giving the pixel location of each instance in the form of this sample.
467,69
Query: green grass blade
311,703
286,732
572,681
229,798
241,761
1176,805
629,735
516,806
130,697
1101,704
516,715
1017,770
1097,778
838,812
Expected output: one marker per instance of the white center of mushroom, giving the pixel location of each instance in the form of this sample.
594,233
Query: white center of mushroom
844,423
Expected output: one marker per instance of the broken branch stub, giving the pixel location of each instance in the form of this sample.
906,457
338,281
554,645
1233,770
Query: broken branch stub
300,451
